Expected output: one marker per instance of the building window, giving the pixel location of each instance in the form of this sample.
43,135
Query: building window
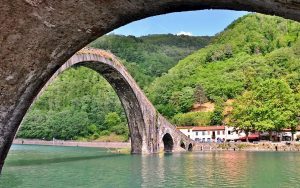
218,132
188,130
229,132
203,132
223,132
196,133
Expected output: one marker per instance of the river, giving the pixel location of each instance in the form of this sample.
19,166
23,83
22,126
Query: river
32,166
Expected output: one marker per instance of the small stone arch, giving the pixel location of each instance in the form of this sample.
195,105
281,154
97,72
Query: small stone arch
190,148
182,145
168,142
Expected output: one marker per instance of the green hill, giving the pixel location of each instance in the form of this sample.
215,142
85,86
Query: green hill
148,57
253,49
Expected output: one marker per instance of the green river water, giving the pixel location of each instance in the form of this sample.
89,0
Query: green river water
30,166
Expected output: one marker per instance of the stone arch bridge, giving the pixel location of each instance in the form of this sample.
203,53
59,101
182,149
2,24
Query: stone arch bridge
150,132
38,36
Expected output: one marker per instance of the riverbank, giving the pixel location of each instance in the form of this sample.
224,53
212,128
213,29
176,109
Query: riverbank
95,144
237,146
244,146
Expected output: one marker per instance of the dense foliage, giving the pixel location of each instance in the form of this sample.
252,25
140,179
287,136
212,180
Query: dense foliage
150,56
252,49
78,104
269,106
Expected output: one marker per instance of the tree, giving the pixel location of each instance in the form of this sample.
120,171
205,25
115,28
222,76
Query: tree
217,115
270,106
199,94
111,119
242,114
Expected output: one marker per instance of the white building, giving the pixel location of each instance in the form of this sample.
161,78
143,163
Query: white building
224,133
187,130
210,133
286,134
232,134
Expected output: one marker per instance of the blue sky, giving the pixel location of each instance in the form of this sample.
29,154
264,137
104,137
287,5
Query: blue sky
198,23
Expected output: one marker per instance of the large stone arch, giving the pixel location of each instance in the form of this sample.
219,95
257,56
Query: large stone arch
144,122
126,88
38,36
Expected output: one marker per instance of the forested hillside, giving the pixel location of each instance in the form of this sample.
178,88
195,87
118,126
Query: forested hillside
150,56
255,61
80,104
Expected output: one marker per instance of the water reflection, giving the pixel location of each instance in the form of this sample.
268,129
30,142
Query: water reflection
194,169
225,169
153,169
82,167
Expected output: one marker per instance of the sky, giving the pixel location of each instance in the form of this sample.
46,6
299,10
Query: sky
196,23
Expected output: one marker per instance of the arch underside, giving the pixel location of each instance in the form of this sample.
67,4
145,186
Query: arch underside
115,73
182,145
190,147
168,142
128,99
37,37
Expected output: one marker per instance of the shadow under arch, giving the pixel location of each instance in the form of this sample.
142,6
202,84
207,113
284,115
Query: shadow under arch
190,147
182,145
115,73
168,143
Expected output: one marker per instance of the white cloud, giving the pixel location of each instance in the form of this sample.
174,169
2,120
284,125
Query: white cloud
184,33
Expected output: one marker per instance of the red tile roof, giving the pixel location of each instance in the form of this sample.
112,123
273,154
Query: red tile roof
289,129
208,128
184,127
202,128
